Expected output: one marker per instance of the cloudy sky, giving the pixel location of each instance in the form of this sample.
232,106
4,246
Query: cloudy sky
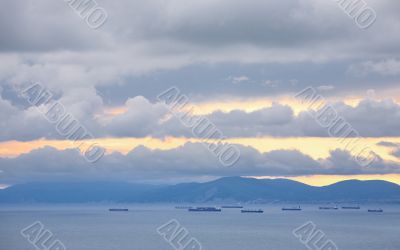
240,64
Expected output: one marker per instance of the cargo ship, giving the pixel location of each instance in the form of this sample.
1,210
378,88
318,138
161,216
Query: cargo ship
118,210
291,208
351,207
329,208
375,210
257,211
205,209
232,206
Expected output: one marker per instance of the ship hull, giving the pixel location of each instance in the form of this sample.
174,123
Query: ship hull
118,210
204,210
253,211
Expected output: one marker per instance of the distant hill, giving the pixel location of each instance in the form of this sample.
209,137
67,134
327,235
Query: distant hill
229,189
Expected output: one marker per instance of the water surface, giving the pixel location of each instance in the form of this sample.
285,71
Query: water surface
93,227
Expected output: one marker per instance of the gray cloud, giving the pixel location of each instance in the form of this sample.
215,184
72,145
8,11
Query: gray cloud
388,144
189,161
396,153
389,67
145,47
32,26
279,120
168,25
306,40
394,146
370,119
144,118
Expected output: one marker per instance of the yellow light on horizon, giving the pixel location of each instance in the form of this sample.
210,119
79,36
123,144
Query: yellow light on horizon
315,147
325,180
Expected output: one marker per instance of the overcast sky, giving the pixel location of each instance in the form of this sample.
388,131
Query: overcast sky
240,63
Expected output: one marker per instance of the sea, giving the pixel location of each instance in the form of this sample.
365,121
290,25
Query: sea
146,227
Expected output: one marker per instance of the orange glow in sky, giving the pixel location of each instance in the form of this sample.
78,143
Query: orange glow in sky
324,180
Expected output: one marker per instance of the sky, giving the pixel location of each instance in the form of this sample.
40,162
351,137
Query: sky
240,65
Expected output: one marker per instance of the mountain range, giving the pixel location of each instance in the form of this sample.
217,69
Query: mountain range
224,190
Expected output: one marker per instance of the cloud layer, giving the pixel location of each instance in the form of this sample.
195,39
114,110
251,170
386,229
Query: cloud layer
141,118
192,160
308,40
213,51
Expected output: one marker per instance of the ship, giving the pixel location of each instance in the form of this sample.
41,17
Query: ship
118,210
232,206
258,211
375,210
205,209
291,208
329,208
351,207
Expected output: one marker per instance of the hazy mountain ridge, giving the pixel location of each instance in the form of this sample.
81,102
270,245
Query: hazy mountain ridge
229,189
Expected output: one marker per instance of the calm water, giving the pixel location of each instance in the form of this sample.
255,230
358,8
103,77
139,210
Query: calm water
94,228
